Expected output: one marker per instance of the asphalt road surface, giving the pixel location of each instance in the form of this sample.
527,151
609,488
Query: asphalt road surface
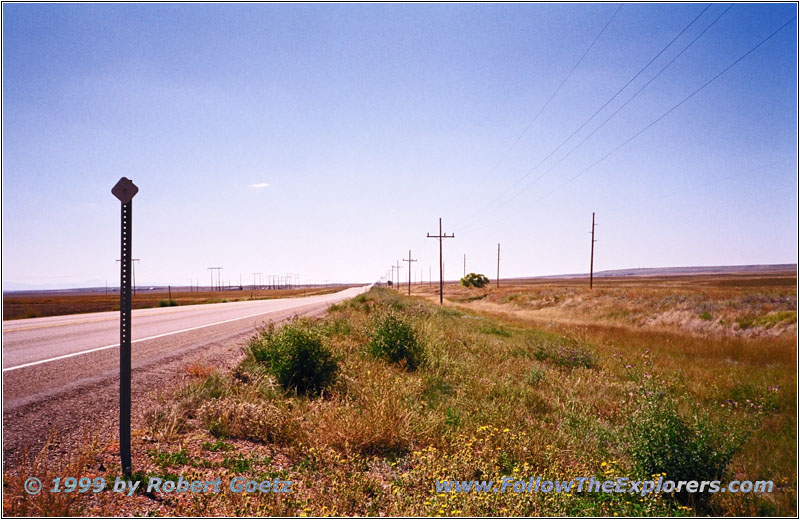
61,373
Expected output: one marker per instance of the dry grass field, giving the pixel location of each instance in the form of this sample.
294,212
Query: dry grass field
694,377
35,305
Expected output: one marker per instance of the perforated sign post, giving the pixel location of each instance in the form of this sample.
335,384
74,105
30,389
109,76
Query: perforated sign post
124,190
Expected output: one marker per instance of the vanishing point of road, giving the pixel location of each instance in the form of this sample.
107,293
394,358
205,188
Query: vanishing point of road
61,373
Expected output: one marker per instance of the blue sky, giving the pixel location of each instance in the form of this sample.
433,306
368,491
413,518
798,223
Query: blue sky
368,122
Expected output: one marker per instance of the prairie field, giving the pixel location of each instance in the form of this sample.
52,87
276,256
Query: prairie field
364,410
36,305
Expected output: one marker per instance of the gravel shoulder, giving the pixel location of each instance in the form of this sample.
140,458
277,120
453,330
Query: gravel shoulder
65,401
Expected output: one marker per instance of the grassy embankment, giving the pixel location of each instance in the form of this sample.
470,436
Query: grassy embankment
402,393
57,304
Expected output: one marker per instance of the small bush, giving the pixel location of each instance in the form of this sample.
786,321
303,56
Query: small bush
474,280
295,355
393,339
167,303
662,440
705,315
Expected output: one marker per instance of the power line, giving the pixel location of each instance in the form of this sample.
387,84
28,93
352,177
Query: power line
674,107
601,125
547,103
596,112
659,118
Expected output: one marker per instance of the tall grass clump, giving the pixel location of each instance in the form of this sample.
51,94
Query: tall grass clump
296,356
563,352
394,340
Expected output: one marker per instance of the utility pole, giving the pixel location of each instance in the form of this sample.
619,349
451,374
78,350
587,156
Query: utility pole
409,260
591,258
399,285
430,276
133,269
219,280
498,265
441,237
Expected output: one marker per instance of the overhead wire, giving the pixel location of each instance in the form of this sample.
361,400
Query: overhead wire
553,95
613,114
674,107
591,117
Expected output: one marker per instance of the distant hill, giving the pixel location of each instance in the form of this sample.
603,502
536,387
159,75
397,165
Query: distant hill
677,271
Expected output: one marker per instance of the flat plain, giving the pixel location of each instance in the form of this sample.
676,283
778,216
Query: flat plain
29,304
682,377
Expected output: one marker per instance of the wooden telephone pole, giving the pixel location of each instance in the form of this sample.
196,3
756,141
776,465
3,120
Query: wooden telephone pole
498,265
441,237
591,258
409,260
398,266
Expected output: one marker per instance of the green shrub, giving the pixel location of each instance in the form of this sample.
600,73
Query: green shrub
393,339
296,356
474,280
662,440
167,303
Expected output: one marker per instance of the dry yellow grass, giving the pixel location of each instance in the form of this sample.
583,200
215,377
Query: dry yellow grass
506,389
18,306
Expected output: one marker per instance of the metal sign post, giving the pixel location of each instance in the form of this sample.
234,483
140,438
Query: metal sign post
124,190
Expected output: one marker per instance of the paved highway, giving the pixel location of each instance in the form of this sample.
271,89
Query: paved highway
61,371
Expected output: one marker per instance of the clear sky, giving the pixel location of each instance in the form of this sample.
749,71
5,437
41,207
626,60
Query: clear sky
327,140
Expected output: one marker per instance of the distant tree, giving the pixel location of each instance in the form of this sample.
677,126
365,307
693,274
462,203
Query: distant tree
474,280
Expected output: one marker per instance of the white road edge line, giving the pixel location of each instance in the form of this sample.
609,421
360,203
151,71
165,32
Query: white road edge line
65,356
